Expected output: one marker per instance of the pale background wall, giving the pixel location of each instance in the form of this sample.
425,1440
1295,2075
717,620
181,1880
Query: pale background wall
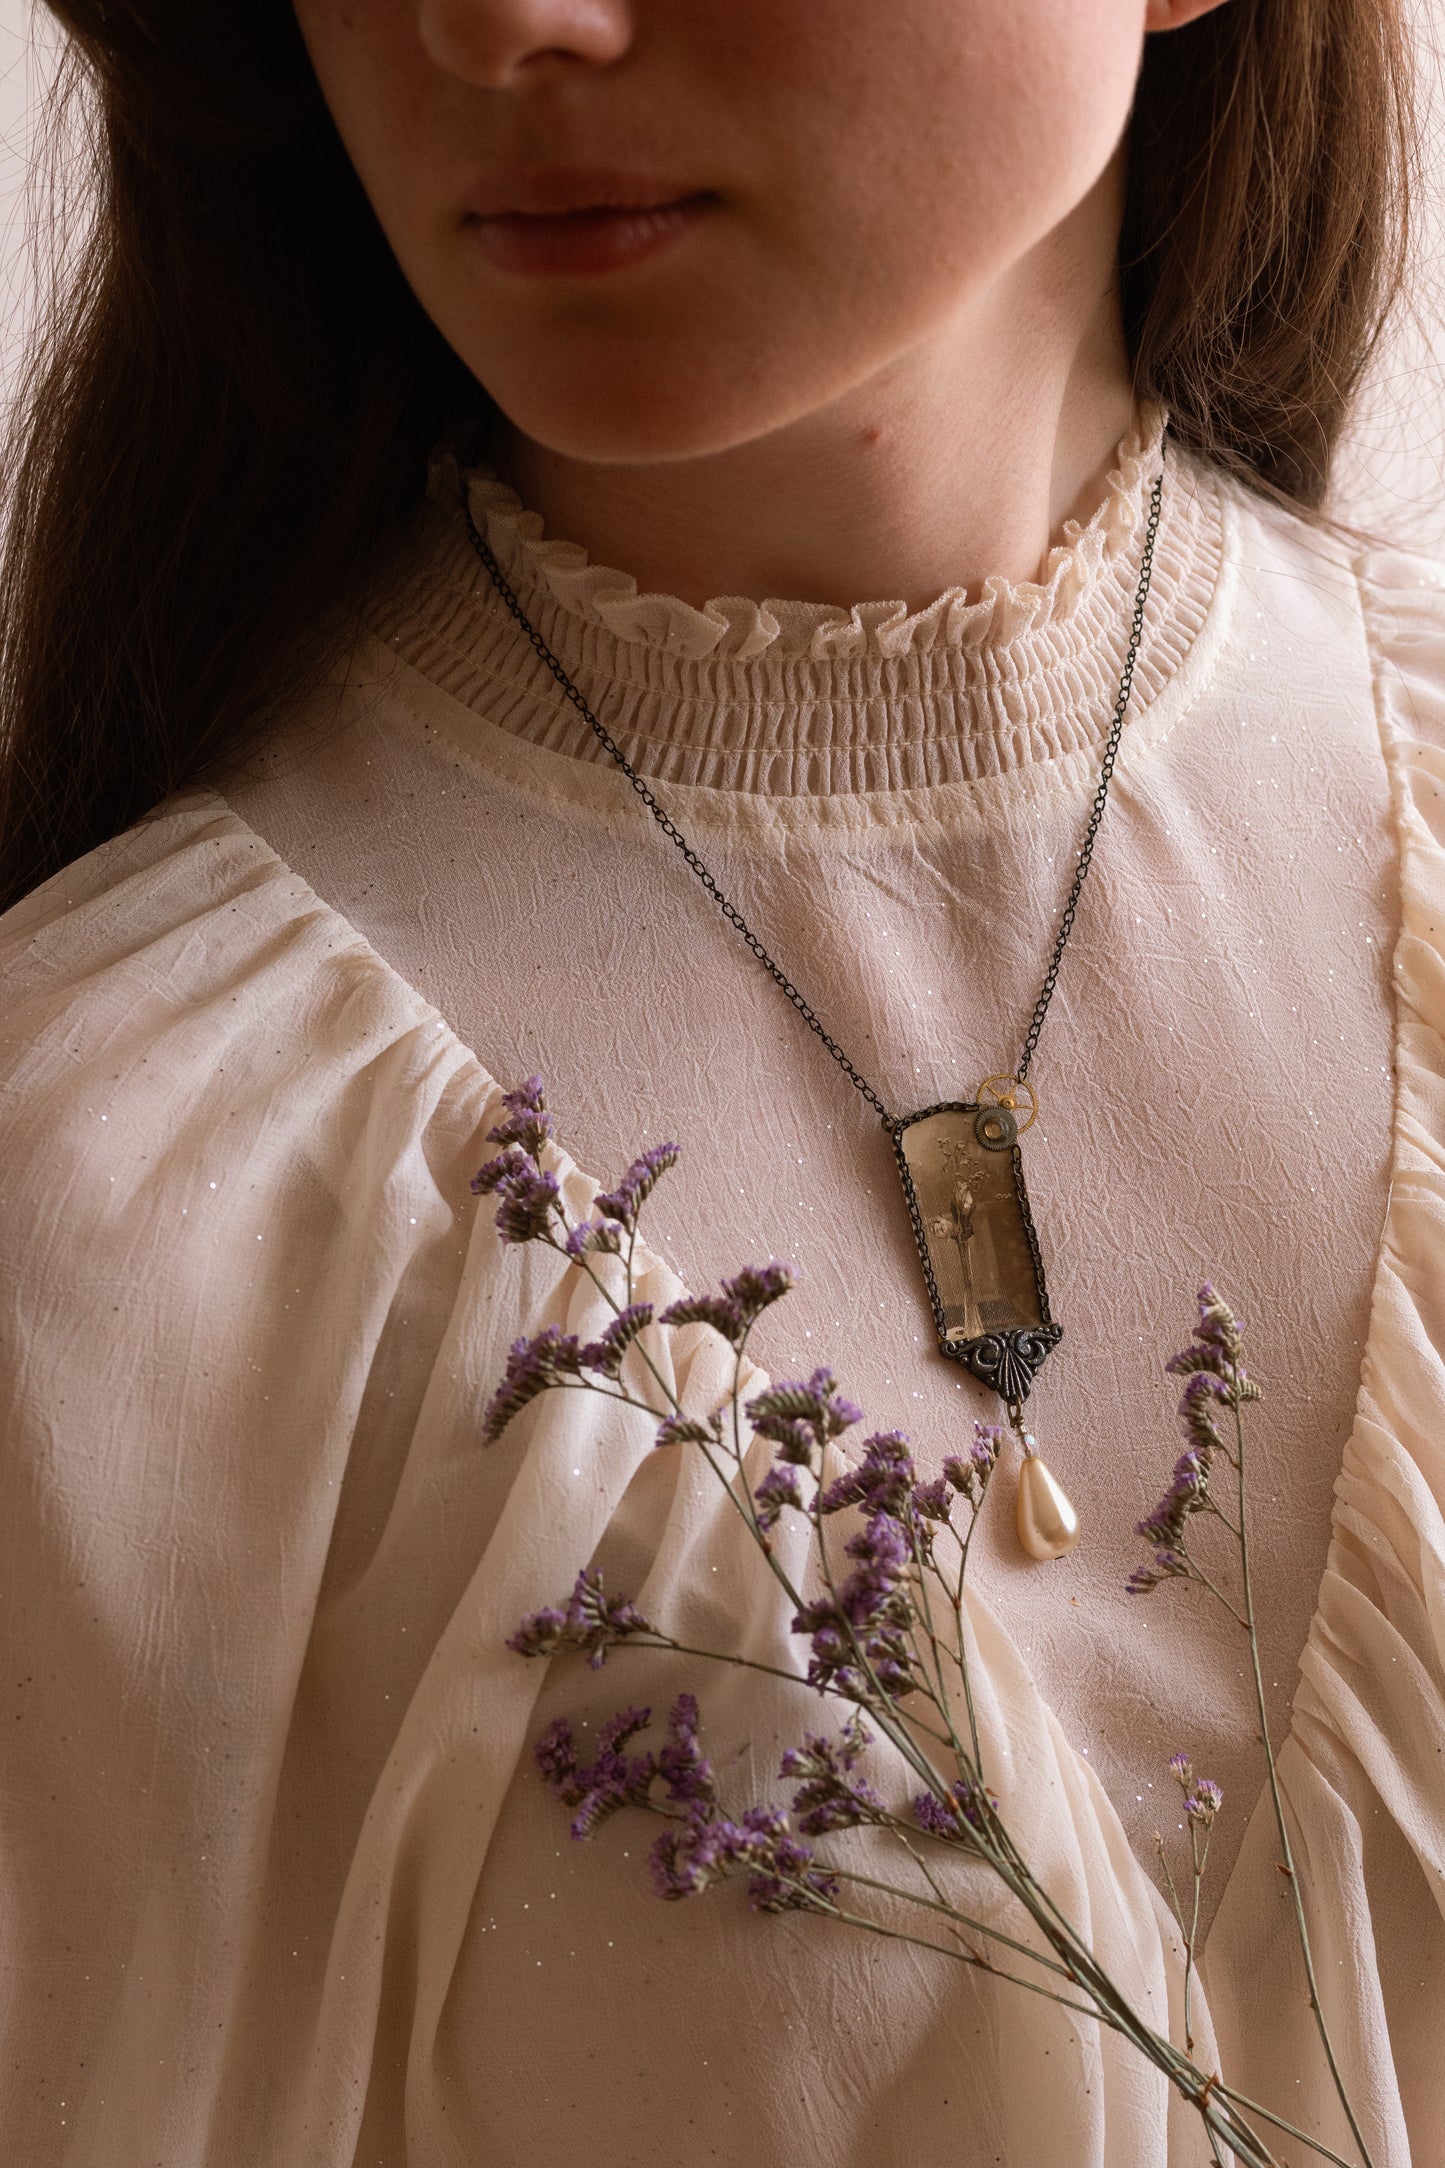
1393,475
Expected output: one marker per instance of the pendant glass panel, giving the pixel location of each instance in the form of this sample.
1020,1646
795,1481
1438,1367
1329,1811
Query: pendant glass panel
963,1177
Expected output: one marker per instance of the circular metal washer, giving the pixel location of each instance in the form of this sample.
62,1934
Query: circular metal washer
996,1129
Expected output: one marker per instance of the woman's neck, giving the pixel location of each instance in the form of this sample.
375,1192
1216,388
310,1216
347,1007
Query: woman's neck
961,459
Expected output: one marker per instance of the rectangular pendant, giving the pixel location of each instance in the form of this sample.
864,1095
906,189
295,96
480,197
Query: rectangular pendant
976,1242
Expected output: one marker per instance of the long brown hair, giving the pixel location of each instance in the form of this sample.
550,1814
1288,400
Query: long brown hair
222,421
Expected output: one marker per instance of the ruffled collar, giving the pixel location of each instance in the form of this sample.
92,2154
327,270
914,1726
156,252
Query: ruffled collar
787,696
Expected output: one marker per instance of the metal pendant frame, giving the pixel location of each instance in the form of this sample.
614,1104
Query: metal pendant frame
1007,1360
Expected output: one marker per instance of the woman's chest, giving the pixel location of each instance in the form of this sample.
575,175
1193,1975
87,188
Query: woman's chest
1214,1076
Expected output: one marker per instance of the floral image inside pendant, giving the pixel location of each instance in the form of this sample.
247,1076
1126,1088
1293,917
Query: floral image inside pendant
962,1174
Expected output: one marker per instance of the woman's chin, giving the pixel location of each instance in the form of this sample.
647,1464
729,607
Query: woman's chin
628,426
656,400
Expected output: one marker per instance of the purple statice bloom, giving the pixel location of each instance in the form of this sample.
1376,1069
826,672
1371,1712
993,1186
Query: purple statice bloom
598,1621
555,1754
934,1500
778,1488
882,1482
701,1849
681,1763
1166,1565
491,1176
1186,1494
624,1203
599,1788
1203,1392
790,1882
532,1366
541,1633
962,1815
969,1473
591,1621
870,1610
800,1416
685,1430
829,1796
527,1199
1217,1344
527,1124
526,1206
605,1355
1180,1769
741,1302
706,1847
1203,1801
593,1235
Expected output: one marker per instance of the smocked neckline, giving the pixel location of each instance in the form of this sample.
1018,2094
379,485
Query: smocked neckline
796,698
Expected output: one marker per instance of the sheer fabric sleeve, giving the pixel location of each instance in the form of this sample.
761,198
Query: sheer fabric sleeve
1363,1770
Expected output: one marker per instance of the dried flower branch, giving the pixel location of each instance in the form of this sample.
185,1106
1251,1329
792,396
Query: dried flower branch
1216,1381
885,1632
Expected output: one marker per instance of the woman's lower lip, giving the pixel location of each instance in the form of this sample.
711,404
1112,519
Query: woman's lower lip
580,243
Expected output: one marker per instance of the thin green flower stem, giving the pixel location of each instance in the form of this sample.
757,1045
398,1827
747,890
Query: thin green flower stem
936,1698
1194,1926
942,1949
1197,1573
748,1511
940,1699
716,1656
1280,2122
904,1833
963,1665
960,1919
1091,1976
1213,1506
1017,1876
743,1663
1174,1898
602,1392
611,1301
734,1397
674,1405
1274,1792
1247,2144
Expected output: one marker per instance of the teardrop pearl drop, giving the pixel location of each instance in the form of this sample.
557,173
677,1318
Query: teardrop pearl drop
1047,1523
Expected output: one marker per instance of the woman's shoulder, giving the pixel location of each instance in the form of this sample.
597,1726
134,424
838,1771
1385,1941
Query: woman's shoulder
1375,607
176,865
182,966
1402,601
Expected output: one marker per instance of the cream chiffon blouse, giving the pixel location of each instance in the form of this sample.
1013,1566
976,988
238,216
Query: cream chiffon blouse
281,1883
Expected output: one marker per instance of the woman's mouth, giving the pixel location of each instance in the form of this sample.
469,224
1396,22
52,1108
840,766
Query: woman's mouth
583,241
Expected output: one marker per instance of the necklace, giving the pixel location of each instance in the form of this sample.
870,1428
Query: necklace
960,1161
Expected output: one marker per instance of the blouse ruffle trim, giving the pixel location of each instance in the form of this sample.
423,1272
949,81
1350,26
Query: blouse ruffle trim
797,701
741,629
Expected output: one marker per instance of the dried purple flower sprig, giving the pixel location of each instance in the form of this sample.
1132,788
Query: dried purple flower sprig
1202,1802
876,1632
1215,1380
1217,1389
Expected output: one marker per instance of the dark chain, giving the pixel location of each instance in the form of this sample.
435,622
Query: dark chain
1086,850
730,910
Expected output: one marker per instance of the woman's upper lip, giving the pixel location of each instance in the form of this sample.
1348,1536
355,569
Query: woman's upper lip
564,190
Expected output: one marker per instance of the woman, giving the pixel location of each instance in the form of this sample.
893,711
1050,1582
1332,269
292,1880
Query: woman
821,302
